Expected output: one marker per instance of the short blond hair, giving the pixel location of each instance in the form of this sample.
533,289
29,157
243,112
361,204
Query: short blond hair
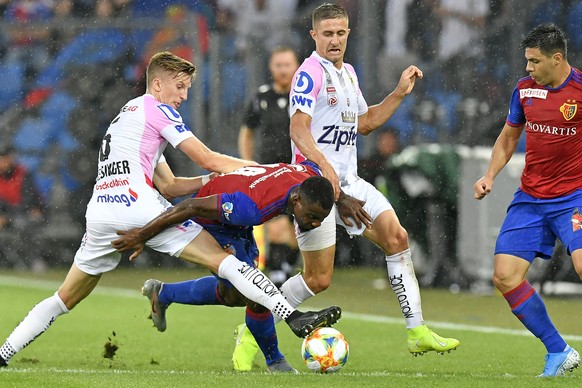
170,63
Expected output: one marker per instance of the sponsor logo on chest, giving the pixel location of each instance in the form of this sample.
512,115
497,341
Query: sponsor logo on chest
533,93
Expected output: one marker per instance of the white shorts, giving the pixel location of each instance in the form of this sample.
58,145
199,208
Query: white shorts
96,255
324,236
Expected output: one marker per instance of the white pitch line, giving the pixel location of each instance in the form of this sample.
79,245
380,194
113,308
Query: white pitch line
52,285
451,325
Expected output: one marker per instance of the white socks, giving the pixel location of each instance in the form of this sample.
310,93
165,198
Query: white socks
295,291
34,324
403,281
255,285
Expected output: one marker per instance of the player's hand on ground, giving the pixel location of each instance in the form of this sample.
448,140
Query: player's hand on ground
408,78
350,207
129,240
482,187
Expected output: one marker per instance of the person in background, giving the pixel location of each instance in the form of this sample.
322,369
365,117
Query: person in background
21,214
264,137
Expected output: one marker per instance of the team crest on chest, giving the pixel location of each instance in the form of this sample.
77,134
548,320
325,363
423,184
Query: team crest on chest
348,117
569,109
331,96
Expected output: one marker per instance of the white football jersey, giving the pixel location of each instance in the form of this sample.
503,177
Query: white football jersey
130,151
334,101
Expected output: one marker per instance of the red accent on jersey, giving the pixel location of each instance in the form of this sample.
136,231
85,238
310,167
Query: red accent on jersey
553,164
149,181
267,185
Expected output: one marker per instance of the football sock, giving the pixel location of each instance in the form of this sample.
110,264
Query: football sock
255,285
527,305
34,324
203,291
296,291
6,353
404,284
262,326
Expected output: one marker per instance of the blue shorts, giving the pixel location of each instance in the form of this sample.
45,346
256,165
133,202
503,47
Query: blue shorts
532,225
238,214
239,242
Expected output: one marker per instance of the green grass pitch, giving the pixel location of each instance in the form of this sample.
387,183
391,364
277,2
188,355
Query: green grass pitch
107,341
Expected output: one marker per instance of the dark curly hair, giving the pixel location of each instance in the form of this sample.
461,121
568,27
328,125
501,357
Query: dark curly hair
317,189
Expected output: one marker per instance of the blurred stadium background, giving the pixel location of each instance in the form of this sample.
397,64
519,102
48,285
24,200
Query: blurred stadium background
69,65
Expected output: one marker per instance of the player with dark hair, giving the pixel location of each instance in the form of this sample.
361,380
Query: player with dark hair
547,204
228,207
132,176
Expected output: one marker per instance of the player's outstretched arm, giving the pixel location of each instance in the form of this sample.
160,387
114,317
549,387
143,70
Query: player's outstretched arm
350,207
211,160
378,114
502,152
171,186
134,239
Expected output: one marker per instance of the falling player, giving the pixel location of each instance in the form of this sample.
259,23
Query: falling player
228,207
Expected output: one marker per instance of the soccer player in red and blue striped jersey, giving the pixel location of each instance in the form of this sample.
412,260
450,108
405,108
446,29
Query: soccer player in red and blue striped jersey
228,206
547,204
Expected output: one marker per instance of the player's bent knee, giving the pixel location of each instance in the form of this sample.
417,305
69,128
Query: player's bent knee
231,296
394,243
504,282
69,299
401,238
318,283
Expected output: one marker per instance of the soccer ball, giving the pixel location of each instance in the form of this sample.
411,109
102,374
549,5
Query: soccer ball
325,350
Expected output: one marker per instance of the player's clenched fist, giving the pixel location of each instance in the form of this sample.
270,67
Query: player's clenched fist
482,187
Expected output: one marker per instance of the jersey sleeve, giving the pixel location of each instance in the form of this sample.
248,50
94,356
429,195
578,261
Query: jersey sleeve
238,209
516,116
168,122
305,88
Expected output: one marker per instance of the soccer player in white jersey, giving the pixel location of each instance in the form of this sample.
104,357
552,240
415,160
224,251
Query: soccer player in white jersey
327,112
132,186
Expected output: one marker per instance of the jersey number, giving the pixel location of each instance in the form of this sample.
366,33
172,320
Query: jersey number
248,171
105,148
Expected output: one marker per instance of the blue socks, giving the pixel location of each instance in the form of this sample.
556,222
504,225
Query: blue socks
203,291
529,308
262,326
